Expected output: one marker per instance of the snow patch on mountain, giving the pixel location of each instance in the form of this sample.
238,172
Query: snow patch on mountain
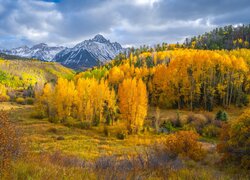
39,51
89,52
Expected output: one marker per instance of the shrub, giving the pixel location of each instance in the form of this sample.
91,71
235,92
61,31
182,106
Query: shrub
106,131
221,115
184,143
176,119
4,98
59,138
167,126
183,120
84,125
198,121
29,101
209,117
53,119
189,127
69,121
235,141
210,131
20,100
121,135
38,114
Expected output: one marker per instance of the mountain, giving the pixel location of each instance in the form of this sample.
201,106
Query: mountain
89,53
86,54
39,51
12,57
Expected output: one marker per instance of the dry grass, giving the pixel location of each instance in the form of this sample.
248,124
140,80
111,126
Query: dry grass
87,144
79,146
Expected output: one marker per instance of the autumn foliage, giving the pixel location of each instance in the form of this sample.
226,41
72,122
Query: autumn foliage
133,103
86,100
185,144
235,141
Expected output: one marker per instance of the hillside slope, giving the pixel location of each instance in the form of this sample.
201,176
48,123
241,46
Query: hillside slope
19,74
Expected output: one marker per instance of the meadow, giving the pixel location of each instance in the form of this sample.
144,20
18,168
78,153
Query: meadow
58,151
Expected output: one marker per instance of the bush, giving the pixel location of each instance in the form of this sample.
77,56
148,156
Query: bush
20,100
184,143
106,131
198,121
29,101
4,98
84,125
60,138
38,114
221,115
69,121
235,141
121,135
189,127
209,117
167,126
210,131
176,120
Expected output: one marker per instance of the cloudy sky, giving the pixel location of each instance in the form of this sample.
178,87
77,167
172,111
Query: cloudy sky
129,22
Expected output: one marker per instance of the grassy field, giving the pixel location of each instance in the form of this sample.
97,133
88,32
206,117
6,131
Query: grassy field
43,136
44,142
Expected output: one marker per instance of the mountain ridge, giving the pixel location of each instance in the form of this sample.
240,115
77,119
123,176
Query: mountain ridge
39,51
87,53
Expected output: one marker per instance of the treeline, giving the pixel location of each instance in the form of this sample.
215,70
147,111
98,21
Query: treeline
228,37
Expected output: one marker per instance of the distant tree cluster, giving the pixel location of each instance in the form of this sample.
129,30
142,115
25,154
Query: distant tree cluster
228,37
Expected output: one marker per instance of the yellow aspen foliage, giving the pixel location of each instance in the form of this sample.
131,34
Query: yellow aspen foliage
133,103
89,100
3,93
115,75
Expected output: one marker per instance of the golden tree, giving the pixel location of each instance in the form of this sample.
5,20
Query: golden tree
133,103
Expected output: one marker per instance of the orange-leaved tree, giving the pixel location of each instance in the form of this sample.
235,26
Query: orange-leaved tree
133,103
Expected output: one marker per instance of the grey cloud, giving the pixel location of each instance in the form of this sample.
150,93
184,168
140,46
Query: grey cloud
128,22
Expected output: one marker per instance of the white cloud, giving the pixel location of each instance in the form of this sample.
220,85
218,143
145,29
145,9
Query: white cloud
128,22
146,2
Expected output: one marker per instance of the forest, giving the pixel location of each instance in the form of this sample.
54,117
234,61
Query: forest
155,112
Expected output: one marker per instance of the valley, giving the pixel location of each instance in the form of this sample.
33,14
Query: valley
172,111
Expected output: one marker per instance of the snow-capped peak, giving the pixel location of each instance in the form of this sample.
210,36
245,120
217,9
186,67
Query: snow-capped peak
39,46
39,51
89,52
99,38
